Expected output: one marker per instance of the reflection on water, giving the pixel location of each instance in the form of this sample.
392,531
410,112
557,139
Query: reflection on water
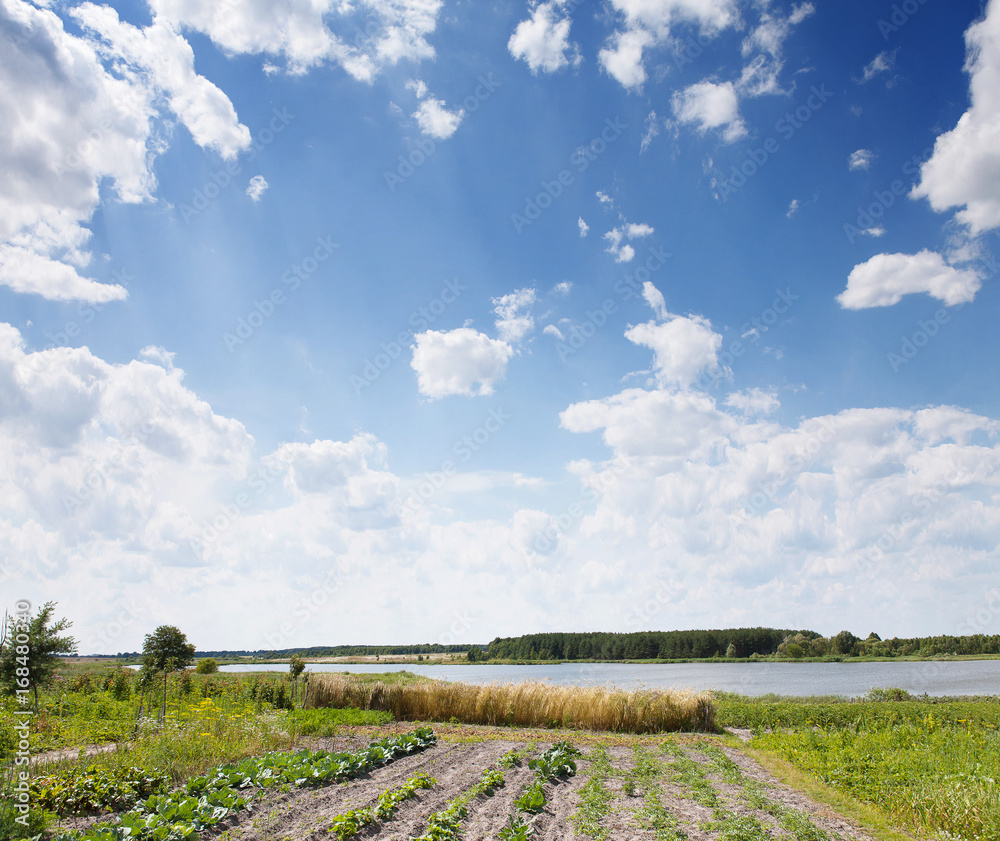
935,677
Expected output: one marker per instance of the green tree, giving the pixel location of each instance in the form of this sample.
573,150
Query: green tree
166,650
731,651
32,663
844,643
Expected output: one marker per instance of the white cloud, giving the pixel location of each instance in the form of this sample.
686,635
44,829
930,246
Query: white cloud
684,347
126,494
563,287
754,401
877,231
436,120
552,330
603,197
616,237
652,130
418,87
793,208
708,105
167,60
462,361
964,170
543,39
648,24
67,126
861,159
514,320
885,278
362,41
257,187
582,226
884,62
654,297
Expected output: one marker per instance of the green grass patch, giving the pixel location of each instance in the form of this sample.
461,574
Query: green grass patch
325,722
595,797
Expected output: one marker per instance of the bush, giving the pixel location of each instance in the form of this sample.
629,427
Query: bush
207,666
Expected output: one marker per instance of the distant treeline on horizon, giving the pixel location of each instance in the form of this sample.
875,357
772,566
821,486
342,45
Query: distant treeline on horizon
740,643
733,643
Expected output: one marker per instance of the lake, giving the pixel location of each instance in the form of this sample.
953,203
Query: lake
933,677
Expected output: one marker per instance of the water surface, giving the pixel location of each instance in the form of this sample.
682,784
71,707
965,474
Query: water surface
959,677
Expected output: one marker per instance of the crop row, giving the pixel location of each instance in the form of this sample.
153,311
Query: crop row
207,800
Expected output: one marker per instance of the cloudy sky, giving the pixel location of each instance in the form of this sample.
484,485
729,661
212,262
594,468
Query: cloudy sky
391,321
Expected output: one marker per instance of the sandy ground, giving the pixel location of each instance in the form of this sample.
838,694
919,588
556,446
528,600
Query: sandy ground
463,753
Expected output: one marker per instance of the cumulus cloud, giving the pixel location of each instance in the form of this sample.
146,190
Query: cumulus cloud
257,187
885,278
964,170
708,105
436,120
167,61
303,36
67,126
861,159
118,475
462,361
582,226
543,39
513,311
616,237
754,401
646,25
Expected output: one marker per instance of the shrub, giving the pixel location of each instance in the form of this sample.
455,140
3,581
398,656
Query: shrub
207,666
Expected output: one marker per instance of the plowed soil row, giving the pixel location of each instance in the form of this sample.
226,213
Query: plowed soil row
462,754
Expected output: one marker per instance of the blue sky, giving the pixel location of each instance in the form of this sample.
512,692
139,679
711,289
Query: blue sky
424,321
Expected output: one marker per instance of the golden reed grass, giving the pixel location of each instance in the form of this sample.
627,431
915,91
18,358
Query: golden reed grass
529,704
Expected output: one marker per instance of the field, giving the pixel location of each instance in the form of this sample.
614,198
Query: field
239,759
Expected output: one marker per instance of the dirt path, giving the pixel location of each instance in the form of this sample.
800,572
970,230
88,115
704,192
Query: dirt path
707,788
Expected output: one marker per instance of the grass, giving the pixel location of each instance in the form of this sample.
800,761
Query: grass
645,774
529,704
929,765
595,797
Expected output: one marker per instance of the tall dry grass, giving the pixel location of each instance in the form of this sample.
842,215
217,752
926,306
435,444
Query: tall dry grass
530,704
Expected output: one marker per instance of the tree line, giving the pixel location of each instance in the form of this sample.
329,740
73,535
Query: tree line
643,645
742,643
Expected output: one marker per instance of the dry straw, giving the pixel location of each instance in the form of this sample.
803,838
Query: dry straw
530,704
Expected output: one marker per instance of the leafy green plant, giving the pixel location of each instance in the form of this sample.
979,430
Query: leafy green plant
208,799
517,829
556,762
533,798
79,791
351,823
446,824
